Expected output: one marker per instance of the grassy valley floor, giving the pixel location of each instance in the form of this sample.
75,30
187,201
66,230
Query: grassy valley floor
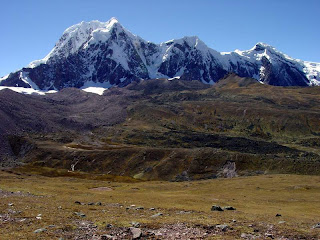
77,207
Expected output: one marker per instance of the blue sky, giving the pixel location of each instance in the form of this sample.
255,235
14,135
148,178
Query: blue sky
30,28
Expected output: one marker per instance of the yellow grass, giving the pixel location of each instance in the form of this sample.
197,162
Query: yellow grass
257,200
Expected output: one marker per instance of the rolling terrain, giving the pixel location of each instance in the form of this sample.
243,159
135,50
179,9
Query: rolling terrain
166,130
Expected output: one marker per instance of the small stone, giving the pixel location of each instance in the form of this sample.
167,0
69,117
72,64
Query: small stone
229,208
152,209
90,203
59,207
10,204
233,220
255,230
184,212
40,230
98,203
136,232
316,226
109,225
79,214
278,215
269,235
282,222
222,227
216,208
106,237
156,215
52,226
149,233
77,202
139,208
135,224
245,235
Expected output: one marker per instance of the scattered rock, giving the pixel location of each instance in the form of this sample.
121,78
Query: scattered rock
316,226
229,208
282,222
278,215
152,209
182,177
77,202
222,227
216,208
40,230
109,225
247,236
107,237
98,203
184,212
269,235
135,224
228,170
156,215
139,208
79,214
10,204
90,203
136,232
52,226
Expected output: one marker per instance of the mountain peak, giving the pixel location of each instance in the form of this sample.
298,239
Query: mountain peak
113,20
260,46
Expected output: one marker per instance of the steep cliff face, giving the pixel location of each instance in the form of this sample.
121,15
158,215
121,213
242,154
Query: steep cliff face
106,54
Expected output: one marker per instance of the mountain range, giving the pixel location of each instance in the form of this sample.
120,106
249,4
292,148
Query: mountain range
105,54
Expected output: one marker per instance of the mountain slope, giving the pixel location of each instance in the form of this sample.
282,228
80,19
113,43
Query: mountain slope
159,129
106,54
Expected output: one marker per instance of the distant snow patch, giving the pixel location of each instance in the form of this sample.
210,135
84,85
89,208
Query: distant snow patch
4,78
24,76
174,78
29,91
96,90
96,87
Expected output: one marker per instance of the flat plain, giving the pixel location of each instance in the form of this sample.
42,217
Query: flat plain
76,206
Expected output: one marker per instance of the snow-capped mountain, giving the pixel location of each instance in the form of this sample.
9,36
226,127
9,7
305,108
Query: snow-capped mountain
98,54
